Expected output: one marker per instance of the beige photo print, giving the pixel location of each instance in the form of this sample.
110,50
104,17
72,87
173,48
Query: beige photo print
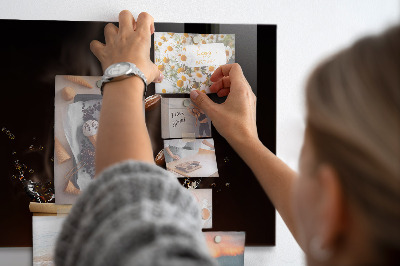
191,157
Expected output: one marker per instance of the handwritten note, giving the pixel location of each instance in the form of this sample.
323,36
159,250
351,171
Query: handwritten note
210,54
177,118
180,121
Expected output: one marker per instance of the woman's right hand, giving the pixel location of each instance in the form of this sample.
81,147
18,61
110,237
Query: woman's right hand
235,119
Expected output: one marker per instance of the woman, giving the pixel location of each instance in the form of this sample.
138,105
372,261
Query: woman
201,117
343,209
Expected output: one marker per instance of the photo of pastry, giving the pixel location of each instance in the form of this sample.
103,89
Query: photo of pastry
80,126
77,104
226,247
181,118
188,60
191,157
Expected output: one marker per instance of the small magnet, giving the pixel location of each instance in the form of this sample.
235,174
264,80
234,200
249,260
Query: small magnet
196,39
186,102
98,84
217,239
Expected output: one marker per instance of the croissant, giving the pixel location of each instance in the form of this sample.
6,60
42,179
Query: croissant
61,153
78,80
71,189
68,93
151,102
160,159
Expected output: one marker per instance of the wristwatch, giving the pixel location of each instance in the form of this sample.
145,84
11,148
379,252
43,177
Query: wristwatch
120,71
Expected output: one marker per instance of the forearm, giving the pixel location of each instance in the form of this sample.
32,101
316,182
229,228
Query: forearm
205,142
275,176
169,151
122,131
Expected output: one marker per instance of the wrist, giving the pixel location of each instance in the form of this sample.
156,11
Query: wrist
121,71
130,86
141,63
238,141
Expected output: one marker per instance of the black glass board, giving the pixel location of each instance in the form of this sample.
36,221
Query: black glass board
33,52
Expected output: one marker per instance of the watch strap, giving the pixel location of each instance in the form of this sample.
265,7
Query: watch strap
135,71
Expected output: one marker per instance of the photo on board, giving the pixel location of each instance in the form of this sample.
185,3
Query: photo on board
191,157
45,230
77,104
204,199
181,118
188,60
226,247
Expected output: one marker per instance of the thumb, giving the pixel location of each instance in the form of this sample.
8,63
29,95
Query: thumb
202,101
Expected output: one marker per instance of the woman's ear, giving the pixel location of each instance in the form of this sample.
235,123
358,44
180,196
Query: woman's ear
332,208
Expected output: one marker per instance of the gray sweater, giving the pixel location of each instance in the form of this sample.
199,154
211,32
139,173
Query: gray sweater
134,213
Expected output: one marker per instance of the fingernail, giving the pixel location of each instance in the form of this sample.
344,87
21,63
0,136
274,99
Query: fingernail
160,78
194,94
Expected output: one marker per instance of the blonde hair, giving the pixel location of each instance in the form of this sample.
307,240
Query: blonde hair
353,120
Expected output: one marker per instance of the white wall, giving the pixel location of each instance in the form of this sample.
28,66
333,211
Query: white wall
307,32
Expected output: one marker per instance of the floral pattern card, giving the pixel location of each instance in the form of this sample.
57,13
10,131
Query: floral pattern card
188,60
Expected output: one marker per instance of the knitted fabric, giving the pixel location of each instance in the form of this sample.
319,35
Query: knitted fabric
134,213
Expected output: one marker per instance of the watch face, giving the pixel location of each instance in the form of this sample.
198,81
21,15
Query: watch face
117,69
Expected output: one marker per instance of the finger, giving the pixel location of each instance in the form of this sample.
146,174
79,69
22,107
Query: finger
145,23
225,70
134,24
125,22
225,82
97,48
157,76
110,31
203,102
223,92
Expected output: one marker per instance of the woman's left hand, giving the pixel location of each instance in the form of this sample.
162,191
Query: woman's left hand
130,42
